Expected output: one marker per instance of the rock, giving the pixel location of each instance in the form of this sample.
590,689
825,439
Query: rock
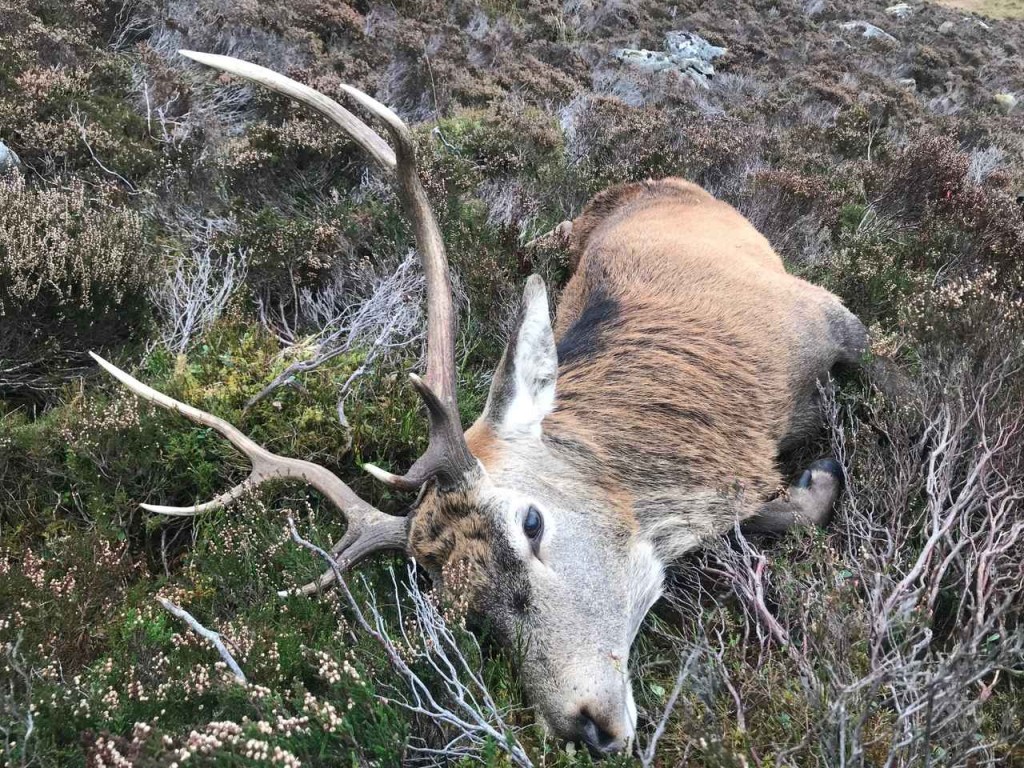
689,54
947,28
8,158
900,10
652,61
1005,101
870,31
691,46
908,82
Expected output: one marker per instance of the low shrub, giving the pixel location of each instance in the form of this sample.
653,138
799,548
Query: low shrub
821,648
74,269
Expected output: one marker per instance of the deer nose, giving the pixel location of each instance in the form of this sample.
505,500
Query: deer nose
599,734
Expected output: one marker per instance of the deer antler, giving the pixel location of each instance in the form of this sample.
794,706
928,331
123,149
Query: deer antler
447,457
369,529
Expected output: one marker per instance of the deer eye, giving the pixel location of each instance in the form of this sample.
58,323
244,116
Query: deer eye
533,523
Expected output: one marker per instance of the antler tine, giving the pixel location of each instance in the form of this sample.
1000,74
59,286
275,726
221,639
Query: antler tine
347,552
369,529
447,457
360,132
443,458
225,499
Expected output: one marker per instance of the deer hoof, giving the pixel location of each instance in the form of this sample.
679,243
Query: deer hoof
830,466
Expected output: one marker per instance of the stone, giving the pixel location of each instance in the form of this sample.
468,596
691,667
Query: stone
908,82
684,52
947,28
900,10
869,30
1005,101
690,46
8,158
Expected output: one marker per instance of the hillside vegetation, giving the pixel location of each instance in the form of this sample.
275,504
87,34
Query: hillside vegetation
223,246
999,9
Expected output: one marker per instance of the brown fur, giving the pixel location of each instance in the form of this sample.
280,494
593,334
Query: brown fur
687,361
692,380
484,444
449,528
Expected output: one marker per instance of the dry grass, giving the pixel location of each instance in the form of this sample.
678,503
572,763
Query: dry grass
996,9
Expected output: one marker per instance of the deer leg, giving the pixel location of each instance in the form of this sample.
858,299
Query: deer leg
848,333
808,502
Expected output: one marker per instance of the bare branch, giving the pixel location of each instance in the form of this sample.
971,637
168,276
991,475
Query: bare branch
473,714
197,289
647,755
383,323
76,116
207,634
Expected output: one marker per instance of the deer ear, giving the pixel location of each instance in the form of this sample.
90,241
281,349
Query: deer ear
523,389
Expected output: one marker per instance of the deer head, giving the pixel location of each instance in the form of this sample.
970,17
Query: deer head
546,561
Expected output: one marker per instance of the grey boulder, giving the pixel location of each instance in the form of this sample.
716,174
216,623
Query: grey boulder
684,52
8,158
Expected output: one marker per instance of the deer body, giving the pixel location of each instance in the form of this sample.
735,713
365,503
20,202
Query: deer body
688,357
648,417
683,359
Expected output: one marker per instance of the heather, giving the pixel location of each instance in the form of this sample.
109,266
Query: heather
226,248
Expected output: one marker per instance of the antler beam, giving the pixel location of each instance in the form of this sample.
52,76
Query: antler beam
448,457
369,529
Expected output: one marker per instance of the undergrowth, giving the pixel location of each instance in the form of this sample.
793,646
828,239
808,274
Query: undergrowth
899,196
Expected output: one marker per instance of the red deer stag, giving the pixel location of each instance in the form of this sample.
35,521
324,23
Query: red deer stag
682,360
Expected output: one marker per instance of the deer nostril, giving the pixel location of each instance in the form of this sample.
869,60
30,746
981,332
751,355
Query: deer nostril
599,739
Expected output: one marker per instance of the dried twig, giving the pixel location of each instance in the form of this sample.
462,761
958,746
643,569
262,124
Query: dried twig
197,290
469,710
214,638
647,755
386,321
79,121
